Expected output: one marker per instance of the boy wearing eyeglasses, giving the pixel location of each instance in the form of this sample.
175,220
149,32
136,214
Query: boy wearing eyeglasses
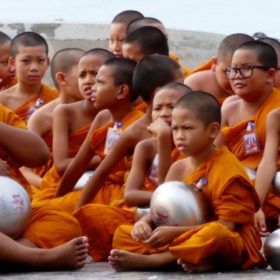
252,77
210,77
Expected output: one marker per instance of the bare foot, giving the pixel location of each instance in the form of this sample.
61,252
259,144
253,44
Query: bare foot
190,268
124,260
68,256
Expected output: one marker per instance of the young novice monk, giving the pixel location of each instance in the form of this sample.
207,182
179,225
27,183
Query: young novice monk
139,185
228,240
29,56
71,122
7,75
213,79
25,252
117,32
150,21
144,41
150,73
252,77
64,72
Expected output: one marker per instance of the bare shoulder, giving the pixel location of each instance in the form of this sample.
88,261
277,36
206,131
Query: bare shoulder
230,99
177,170
137,131
7,95
102,118
199,79
273,119
41,119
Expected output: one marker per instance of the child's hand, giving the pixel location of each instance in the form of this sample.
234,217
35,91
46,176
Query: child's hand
260,223
141,231
159,127
161,236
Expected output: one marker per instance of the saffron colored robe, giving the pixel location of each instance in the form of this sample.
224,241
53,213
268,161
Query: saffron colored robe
110,192
99,221
42,170
46,228
233,137
231,197
52,177
46,93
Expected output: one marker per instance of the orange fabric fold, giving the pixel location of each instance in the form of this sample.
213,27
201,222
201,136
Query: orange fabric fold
52,177
46,94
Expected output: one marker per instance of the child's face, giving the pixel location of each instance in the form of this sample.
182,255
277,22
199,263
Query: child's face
6,73
105,91
31,64
163,104
221,78
88,68
251,88
190,135
132,51
117,35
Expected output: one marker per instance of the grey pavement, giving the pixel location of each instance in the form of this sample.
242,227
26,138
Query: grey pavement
102,270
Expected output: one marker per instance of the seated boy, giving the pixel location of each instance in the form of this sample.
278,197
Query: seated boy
252,77
64,72
228,240
29,56
46,228
156,71
69,131
142,179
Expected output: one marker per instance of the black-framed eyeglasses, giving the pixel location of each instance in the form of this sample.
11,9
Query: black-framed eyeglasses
245,72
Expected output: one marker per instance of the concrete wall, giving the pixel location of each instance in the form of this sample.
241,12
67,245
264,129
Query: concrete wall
193,47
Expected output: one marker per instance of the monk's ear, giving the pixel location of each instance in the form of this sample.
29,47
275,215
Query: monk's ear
48,61
60,78
271,74
12,64
213,130
124,91
214,63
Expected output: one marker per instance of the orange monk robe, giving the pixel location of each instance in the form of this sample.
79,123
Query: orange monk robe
231,197
42,170
204,66
108,193
46,93
186,70
99,221
46,227
52,177
233,137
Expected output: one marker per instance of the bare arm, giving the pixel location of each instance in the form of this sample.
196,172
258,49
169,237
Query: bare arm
126,143
61,138
268,165
25,147
77,166
142,159
219,141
